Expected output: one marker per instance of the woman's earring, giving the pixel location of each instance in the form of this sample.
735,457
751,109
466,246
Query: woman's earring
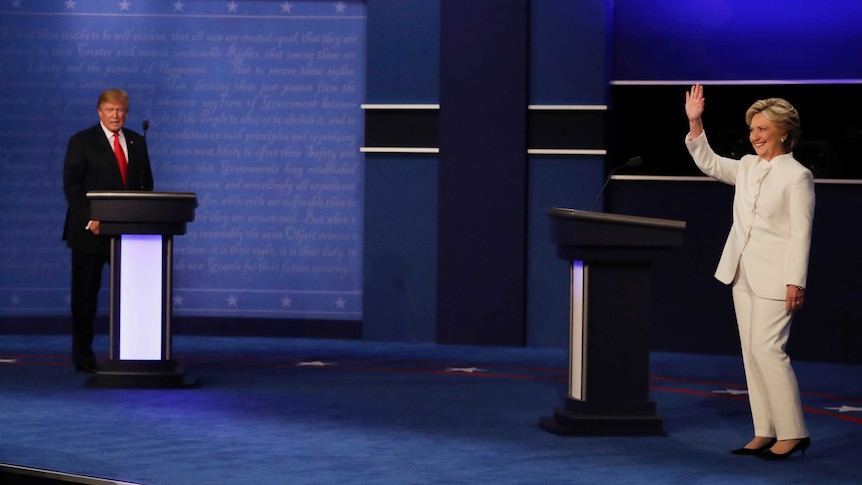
783,139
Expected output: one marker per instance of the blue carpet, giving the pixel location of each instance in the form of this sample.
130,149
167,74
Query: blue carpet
299,411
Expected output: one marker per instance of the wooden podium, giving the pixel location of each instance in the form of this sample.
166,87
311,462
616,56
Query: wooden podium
142,226
610,256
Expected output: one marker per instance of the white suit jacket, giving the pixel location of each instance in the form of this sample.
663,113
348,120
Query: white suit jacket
773,209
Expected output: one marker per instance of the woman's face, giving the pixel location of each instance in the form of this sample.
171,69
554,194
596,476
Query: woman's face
765,137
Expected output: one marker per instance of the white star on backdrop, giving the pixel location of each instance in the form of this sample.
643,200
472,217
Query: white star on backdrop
286,301
15,299
340,302
314,363
339,7
178,6
232,301
846,409
286,6
16,3
232,6
468,370
734,392
70,4
124,5
178,300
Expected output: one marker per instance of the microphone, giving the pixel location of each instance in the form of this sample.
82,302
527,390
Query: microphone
633,162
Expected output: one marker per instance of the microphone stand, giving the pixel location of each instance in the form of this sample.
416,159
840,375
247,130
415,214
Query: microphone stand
633,162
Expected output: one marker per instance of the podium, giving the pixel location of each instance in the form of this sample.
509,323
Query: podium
610,258
142,226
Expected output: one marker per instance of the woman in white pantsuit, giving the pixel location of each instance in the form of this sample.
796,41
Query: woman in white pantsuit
765,258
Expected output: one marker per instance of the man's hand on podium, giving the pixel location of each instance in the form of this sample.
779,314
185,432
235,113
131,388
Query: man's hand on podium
93,226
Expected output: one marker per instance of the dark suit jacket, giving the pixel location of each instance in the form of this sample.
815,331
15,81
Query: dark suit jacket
90,165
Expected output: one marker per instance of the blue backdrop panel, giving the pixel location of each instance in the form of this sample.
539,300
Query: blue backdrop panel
568,66
400,270
568,51
554,182
404,43
253,105
737,39
400,246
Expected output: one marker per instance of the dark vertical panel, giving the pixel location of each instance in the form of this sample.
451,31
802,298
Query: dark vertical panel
482,181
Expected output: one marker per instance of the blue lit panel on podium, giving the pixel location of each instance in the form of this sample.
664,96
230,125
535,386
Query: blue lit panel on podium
141,297
577,323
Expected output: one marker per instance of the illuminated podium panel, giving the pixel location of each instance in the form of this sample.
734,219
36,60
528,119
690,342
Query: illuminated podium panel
142,226
610,257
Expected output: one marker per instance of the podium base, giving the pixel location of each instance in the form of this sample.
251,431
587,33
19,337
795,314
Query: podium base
141,374
566,423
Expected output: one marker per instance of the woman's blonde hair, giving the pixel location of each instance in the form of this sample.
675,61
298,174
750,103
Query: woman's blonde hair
782,114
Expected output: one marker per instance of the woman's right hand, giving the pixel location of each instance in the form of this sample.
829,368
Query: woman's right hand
694,102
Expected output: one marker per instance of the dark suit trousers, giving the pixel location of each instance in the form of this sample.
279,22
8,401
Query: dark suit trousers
86,281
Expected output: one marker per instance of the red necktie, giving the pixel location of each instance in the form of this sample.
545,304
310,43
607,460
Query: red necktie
121,157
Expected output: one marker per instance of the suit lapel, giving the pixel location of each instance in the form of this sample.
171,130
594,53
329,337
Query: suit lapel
133,144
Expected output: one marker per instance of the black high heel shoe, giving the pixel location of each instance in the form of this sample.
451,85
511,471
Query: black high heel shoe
803,445
753,451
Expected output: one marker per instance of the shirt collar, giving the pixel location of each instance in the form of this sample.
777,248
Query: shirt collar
109,133
782,157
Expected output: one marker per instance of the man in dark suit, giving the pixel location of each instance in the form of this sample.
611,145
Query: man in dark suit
103,157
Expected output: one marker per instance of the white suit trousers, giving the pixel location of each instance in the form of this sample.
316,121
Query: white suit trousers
773,393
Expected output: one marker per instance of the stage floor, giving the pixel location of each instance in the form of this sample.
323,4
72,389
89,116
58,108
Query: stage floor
306,411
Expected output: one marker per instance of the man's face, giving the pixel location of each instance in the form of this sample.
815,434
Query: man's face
113,115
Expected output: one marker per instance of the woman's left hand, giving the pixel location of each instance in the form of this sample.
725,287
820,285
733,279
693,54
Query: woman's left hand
795,298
